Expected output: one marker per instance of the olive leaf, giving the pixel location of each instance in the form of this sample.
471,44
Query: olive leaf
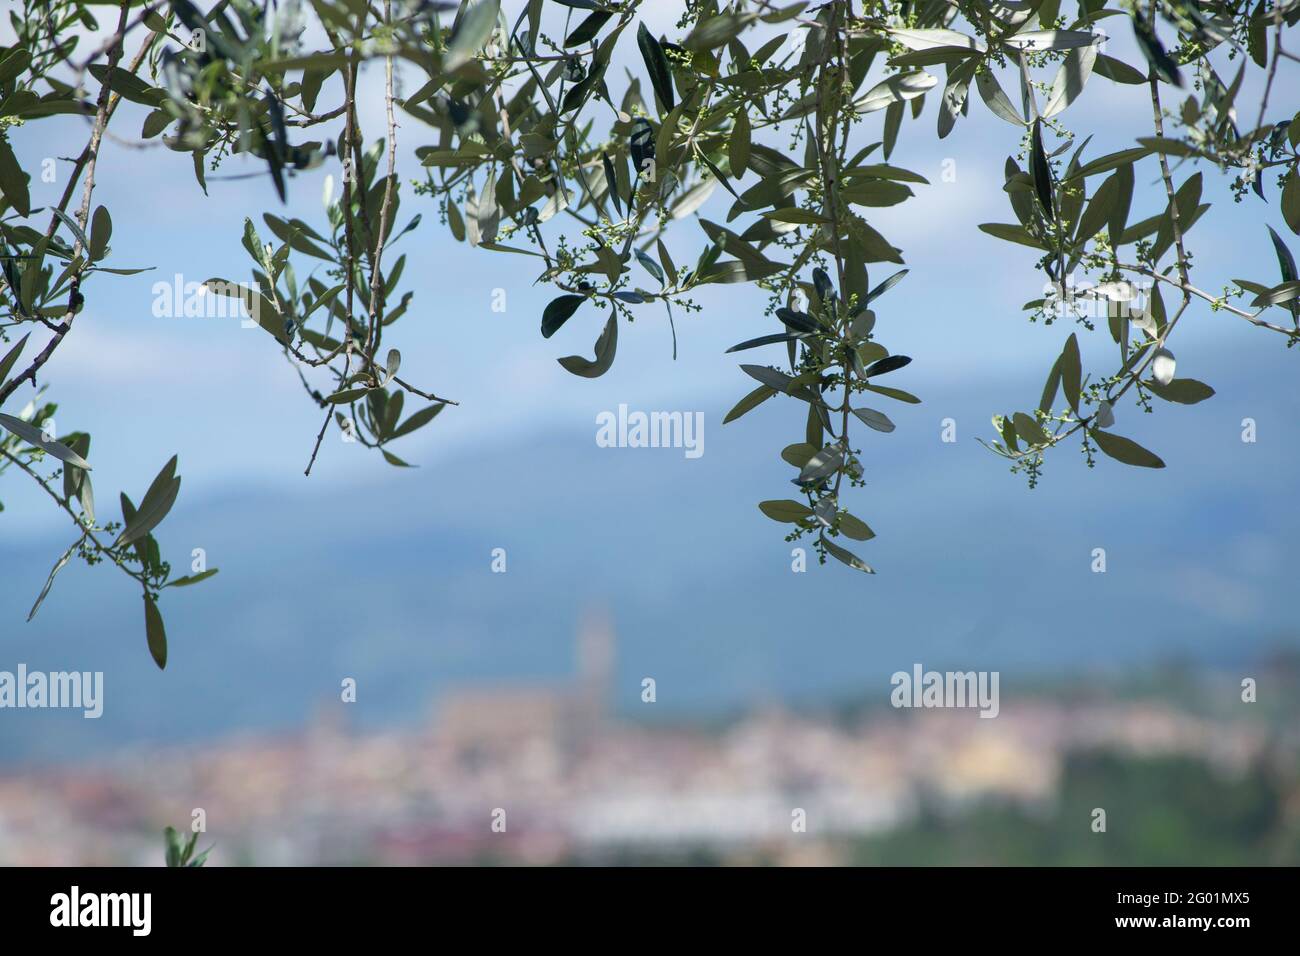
1125,450
558,311
155,632
606,346
657,65
34,437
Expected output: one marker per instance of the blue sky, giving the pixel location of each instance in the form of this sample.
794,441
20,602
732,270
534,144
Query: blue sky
384,573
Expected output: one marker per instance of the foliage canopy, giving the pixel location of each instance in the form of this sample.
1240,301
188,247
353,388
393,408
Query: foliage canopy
540,151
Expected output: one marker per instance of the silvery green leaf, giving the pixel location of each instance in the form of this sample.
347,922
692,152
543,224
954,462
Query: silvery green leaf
996,100
1185,391
1071,371
10,357
877,420
86,495
558,311
775,338
694,198
1286,292
489,214
651,266
1050,40
157,501
862,324
34,437
855,528
606,346
1115,291
1042,172
1164,65
190,579
955,94
768,376
847,556
558,202
1126,450
470,34
1146,322
1070,79
72,225
933,39
896,89
888,364
822,283
751,401
657,65
885,286
800,322
825,511
1028,429
346,395
785,510
155,632
49,581
1163,366
825,462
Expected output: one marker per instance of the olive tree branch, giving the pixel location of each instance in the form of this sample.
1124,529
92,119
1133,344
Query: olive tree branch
105,106
87,532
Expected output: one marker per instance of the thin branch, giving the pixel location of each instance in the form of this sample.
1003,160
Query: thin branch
106,105
376,259
1217,301
77,519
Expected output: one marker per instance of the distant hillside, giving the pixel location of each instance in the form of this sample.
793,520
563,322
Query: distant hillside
388,580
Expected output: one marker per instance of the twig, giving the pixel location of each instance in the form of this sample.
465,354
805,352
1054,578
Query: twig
105,106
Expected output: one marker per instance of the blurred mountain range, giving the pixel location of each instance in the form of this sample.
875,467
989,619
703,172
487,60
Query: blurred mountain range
388,579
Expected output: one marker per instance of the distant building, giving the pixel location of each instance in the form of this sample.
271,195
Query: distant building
492,717
502,716
595,653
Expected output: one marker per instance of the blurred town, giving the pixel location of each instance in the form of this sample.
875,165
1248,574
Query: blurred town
1184,770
